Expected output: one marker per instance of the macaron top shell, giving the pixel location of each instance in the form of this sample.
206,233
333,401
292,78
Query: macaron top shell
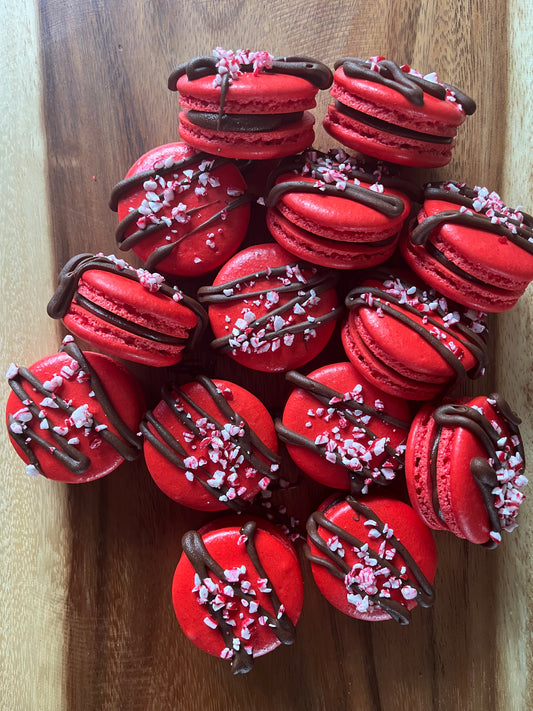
182,211
343,431
74,416
373,560
269,312
245,574
210,444
400,95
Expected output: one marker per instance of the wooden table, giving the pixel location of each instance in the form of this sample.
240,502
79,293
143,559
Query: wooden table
86,618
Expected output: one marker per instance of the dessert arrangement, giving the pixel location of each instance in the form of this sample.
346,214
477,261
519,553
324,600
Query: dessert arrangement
401,274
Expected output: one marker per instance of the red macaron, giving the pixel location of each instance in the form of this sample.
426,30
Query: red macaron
248,104
182,212
375,560
464,467
129,313
470,246
393,113
409,340
210,444
270,312
238,591
342,430
74,416
334,211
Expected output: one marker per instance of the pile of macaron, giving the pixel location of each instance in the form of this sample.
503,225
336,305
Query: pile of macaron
402,274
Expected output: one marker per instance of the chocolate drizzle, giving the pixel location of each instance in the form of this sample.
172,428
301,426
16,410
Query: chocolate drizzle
128,444
256,453
351,410
461,333
67,293
203,563
318,284
306,68
520,234
339,568
411,86
484,473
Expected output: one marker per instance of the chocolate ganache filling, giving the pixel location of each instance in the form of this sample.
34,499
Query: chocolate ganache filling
122,188
246,443
230,292
432,330
67,294
128,444
339,568
483,470
203,563
354,412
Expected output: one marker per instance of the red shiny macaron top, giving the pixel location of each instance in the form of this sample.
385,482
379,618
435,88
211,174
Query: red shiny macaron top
343,431
73,416
182,211
335,195
373,560
238,591
400,95
270,312
210,444
477,232
247,82
410,325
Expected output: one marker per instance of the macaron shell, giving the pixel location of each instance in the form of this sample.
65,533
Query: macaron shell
434,116
325,252
339,217
207,239
418,467
485,255
224,315
262,93
291,138
383,145
376,372
278,561
124,393
408,529
300,416
171,479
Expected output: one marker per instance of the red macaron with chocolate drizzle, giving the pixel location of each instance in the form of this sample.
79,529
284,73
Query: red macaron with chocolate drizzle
394,113
210,444
270,312
182,212
464,466
238,590
469,245
247,104
374,560
342,430
74,416
336,211
408,339
129,313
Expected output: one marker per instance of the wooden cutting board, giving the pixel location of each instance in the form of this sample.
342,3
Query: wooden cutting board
86,618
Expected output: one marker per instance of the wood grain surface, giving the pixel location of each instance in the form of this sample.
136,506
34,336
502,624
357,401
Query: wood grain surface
86,620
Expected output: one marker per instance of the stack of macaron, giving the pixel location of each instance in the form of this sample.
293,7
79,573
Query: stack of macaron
350,257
